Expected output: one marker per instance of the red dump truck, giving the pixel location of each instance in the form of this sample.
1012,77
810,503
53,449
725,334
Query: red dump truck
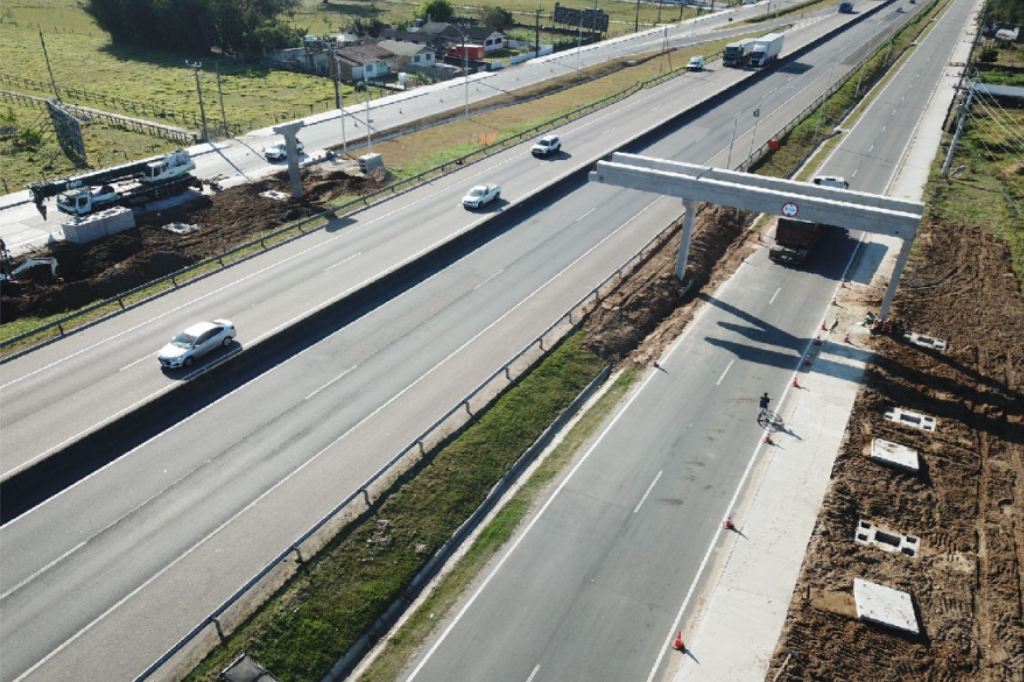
794,241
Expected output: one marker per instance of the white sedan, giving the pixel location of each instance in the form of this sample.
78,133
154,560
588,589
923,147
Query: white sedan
278,151
195,342
480,195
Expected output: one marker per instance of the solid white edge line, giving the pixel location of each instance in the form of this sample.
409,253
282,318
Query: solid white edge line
648,492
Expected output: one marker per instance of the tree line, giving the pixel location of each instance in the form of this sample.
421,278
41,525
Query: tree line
236,27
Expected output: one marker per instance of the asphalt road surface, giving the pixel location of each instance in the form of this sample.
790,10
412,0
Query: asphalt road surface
199,508
56,395
241,159
593,586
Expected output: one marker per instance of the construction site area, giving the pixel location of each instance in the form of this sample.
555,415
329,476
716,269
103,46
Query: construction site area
224,219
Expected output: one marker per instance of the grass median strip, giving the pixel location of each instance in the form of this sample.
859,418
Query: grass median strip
335,598
406,641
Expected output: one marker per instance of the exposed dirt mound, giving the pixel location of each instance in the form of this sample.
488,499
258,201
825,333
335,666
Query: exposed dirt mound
108,267
966,505
623,324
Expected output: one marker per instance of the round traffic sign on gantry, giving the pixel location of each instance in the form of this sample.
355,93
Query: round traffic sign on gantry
789,209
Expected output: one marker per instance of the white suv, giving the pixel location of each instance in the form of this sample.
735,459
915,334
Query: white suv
547,145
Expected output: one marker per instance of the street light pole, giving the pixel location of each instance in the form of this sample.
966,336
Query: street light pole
757,119
195,66
220,93
728,163
465,67
824,96
636,22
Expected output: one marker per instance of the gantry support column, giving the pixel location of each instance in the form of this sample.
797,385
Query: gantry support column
684,238
894,280
289,130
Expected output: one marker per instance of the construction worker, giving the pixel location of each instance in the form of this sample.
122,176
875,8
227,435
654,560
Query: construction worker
763,405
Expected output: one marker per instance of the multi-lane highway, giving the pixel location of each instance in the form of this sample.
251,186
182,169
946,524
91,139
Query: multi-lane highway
104,372
593,586
200,507
241,159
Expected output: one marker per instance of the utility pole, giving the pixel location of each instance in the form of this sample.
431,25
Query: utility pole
339,99
195,66
959,130
53,83
537,33
579,40
220,93
636,22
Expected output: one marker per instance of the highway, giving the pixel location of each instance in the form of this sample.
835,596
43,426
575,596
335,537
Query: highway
595,584
241,160
201,506
103,372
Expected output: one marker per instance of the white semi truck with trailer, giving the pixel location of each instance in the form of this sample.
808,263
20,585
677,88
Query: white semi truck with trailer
765,50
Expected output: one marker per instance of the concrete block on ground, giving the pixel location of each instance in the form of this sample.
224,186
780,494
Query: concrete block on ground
884,606
895,455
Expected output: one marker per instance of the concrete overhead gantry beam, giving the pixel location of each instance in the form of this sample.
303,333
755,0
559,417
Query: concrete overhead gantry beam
290,130
804,201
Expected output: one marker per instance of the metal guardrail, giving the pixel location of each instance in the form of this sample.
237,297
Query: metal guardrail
360,203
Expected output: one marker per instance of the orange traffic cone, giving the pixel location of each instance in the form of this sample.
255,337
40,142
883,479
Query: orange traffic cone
728,523
795,384
846,339
823,327
807,360
678,643
834,301
768,439
817,341
655,363
842,284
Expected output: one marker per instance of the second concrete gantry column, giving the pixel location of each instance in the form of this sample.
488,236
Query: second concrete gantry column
289,130
684,238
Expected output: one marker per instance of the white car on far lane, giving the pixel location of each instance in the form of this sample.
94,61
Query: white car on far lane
195,342
278,151
480,195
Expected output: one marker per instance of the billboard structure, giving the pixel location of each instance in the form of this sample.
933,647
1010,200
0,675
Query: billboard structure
592,19
69,132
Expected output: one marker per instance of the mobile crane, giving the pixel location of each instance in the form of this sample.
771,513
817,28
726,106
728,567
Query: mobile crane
131,184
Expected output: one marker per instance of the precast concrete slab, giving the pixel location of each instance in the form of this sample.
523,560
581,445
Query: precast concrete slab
274,194
884,606
908,418
925,341
868,533
895,455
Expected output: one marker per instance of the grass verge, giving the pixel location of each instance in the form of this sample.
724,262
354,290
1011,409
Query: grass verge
334,599
802,8
393,659
105,145
990,189
796,144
